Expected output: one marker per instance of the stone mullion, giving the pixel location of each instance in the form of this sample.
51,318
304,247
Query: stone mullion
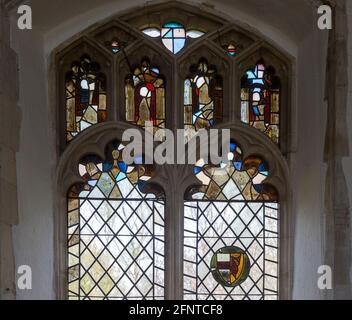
172,178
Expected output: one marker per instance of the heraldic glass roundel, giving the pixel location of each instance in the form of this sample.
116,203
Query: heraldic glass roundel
230,266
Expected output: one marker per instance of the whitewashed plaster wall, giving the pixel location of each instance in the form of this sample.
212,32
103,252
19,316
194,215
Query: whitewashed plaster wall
308,170
33,237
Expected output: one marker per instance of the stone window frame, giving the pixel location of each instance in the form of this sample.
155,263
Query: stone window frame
175,180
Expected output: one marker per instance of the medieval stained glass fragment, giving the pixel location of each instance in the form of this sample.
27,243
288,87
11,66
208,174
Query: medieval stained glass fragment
173,36
203,99
232,50
260,96
115,231
115,46
145,96
85,97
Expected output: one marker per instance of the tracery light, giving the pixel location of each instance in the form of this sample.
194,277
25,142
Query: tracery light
260,97
115,46
203,98
173,35
145,96
85,97
232,50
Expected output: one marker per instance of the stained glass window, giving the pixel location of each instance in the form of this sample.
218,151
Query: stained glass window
231,49
115,231
85,97
145,96
115,46
231,232
173,35
260,97
152,32
203,99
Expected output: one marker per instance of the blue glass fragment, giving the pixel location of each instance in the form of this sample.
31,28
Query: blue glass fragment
238,165
107,166
123,166
120,177
197,170
256,111
168,35
178,45
251,75
262,167
92,183
173,25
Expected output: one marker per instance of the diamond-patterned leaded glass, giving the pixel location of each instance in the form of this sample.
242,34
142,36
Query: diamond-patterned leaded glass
233,209
115,232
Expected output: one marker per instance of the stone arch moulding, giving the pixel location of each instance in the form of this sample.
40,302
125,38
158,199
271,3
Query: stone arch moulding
176,68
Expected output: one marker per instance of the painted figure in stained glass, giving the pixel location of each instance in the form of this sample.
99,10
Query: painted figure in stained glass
203,98
85,97
145,96
230,266
260,96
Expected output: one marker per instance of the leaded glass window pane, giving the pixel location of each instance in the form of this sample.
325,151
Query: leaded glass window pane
231,232
85,97
145,96
115,232
203,99
260,100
